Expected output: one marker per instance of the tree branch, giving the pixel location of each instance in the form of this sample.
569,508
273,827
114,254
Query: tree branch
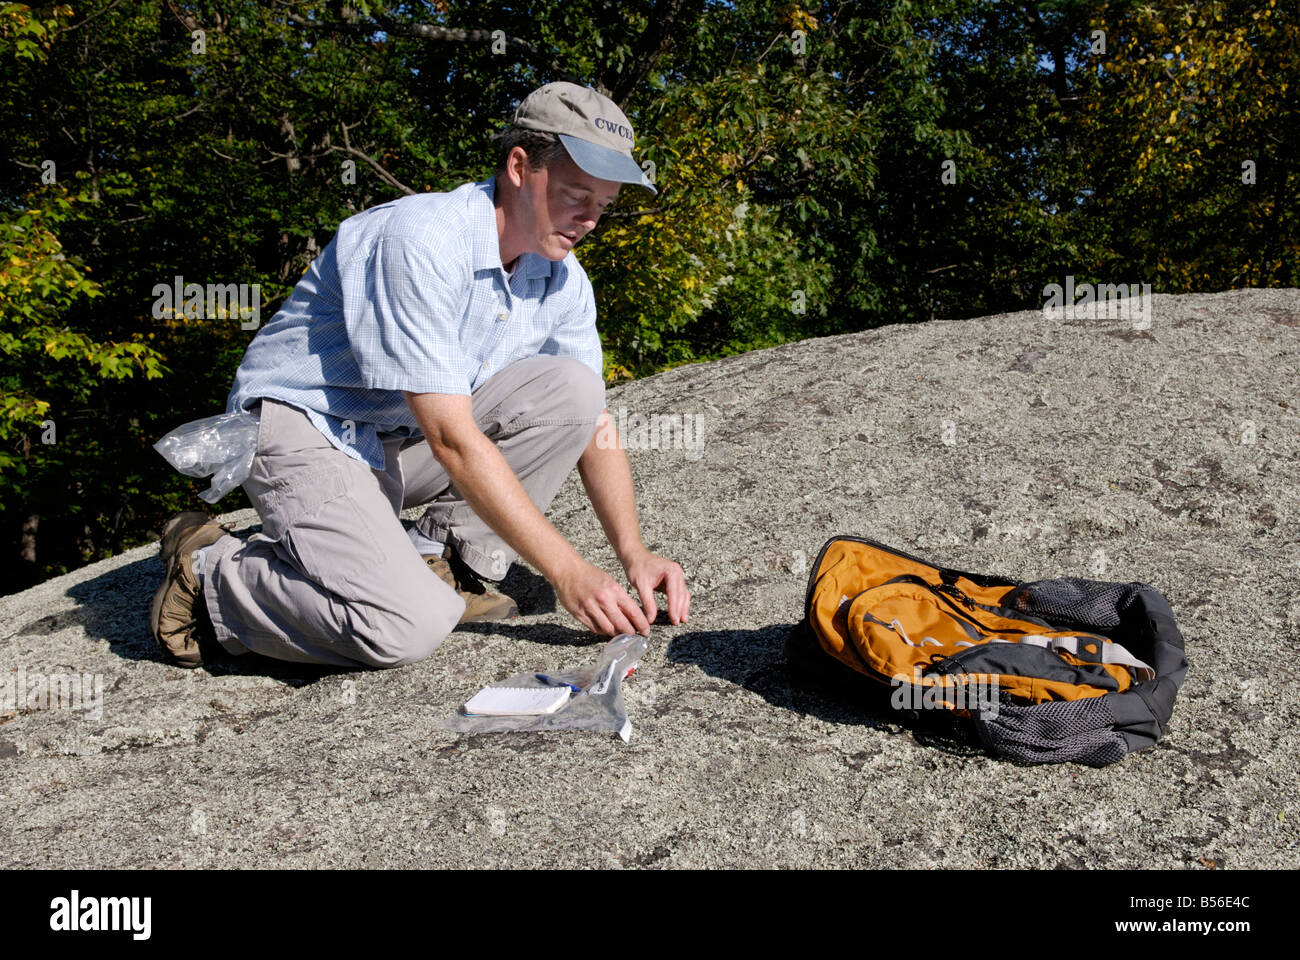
383,174
98,13
436,32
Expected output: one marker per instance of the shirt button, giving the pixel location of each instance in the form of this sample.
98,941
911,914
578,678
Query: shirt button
502,315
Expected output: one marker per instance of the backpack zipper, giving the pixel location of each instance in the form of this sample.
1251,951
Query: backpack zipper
952,592
956,592
952,595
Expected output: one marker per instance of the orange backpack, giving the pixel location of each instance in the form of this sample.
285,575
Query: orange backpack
1053,670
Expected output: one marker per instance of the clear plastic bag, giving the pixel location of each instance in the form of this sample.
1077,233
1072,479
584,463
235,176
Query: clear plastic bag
222,447
598,705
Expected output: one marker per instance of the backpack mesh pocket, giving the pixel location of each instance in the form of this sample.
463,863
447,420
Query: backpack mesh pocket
1097,604
1073,731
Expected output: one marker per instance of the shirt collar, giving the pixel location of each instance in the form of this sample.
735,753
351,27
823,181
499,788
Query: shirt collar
486,245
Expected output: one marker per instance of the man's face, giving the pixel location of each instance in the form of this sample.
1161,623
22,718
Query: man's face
562,205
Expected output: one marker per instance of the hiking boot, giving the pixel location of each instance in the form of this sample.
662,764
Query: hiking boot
179,616
482,604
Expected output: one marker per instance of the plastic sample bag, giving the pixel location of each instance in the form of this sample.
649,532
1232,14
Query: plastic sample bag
596,705
221,447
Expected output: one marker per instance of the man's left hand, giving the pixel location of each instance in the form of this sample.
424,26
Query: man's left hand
649,572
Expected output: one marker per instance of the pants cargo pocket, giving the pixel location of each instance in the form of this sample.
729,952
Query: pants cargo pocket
316,519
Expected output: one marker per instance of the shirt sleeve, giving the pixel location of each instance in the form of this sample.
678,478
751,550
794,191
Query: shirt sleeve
403,317
575,335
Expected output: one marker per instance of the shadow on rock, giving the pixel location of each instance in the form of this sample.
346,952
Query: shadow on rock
777,664
114,607
287,672
530,591
549,633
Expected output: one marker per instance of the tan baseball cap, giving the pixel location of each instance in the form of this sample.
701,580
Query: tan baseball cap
594,131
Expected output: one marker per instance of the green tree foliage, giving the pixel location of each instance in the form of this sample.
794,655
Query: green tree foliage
40,286
821,168
53,361
26,34
1191,145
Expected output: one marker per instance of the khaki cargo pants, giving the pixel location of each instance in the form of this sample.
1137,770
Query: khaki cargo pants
333,577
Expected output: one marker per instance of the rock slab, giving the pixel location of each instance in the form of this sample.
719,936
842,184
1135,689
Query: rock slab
1012,444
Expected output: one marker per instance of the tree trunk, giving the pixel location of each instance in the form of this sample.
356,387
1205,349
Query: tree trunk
29,538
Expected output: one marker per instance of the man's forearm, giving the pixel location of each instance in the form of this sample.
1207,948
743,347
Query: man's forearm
607,478
482,476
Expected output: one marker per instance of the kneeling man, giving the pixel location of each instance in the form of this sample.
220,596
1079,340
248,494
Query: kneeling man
442,350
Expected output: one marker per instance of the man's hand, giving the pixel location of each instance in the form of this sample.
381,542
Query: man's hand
596,599
649,572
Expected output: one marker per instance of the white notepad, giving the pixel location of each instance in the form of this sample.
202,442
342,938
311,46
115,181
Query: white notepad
517,701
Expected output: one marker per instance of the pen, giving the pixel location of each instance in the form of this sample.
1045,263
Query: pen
557,683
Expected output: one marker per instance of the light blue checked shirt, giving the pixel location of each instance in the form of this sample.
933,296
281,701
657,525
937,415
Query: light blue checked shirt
411,295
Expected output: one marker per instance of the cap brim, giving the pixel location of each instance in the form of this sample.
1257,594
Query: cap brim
604,163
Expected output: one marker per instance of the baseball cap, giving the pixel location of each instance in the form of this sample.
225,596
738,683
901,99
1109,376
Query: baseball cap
594,131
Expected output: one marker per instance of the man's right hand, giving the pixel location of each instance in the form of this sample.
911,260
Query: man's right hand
597,600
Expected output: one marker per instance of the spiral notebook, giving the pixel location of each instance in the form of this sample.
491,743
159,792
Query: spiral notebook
516,701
